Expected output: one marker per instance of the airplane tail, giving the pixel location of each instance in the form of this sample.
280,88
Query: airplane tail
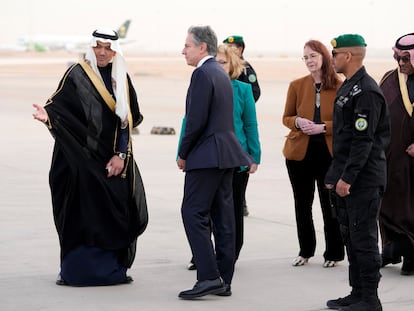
123,29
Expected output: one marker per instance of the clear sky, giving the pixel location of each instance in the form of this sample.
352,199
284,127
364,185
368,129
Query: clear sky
271,27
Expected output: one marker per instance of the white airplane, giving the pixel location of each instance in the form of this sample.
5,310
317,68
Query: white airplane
46,42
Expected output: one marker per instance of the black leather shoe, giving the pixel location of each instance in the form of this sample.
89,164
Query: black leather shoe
191,266
203,288
407,267
60,281
128,280
227,292
245,211
386,261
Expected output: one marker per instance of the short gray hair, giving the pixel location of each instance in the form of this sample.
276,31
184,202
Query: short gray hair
205,34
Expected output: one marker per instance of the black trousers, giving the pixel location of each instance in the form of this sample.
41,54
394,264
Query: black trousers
400,246
208,202
358,217
303,176
240,179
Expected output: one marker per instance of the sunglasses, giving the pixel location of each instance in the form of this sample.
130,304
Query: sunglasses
404,59
334,53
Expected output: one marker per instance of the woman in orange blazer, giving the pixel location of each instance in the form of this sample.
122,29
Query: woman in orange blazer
308,151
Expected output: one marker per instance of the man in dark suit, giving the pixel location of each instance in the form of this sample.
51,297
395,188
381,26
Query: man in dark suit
208,152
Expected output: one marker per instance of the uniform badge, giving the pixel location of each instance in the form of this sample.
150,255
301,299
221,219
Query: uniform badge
252,78
361,124
341,101
355,90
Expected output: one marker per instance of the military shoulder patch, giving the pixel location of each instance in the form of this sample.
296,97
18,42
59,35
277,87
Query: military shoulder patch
252,78
361,124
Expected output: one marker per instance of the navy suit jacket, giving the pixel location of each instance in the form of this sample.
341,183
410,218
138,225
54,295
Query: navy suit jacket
209,140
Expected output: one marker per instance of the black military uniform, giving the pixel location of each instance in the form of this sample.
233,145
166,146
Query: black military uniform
360,134
248,75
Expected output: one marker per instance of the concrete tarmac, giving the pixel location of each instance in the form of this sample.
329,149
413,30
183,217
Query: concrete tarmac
264,278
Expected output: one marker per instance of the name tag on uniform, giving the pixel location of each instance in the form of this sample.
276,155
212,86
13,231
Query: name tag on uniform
341,101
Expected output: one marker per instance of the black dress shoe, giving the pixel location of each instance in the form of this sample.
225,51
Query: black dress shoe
191,266
128,280
60,281
407,267
227,292
245,211
387,260
202,288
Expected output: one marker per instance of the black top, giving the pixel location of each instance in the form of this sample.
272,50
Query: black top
107,78
249,76
361,132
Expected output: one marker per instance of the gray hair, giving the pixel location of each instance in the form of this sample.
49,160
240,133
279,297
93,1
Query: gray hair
204,34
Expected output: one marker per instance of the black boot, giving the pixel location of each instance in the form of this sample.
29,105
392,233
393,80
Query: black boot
369,302
354,297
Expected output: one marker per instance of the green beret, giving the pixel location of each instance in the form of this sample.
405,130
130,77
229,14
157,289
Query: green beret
233,39
347,41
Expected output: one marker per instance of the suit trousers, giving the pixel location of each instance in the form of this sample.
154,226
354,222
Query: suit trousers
208,196
303,176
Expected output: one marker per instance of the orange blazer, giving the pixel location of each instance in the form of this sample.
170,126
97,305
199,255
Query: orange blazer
300,102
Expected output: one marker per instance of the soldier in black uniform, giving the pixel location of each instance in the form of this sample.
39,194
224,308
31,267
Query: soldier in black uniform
357,175
248,76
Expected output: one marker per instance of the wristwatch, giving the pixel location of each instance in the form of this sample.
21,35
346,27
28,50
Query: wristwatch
121,155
